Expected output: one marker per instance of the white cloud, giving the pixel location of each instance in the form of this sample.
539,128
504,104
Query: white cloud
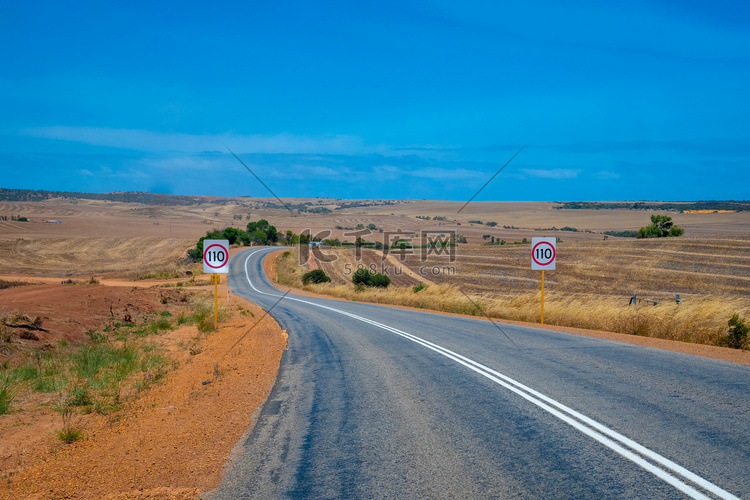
607,175
147,140
181,163
436,174
555,173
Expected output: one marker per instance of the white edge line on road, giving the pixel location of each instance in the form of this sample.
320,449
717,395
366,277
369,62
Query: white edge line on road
594,430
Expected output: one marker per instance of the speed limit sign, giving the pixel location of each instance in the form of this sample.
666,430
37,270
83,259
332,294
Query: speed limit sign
215,256
543,253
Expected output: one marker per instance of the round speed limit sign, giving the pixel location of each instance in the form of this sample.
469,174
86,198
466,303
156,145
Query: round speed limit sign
543,253
215,256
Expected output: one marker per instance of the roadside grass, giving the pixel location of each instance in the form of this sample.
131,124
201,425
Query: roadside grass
173,271
201,314
6,397
700,319
288,271
98,375
69,433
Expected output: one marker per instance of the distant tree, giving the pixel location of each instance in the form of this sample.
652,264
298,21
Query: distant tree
269,233
372,227
661,226
258,237
233,235
197,252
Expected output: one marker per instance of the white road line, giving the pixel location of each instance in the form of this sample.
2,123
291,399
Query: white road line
606,436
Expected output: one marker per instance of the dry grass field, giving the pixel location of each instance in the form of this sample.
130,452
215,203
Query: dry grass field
709,267
590,288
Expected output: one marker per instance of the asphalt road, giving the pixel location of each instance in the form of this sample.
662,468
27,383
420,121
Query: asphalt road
377,402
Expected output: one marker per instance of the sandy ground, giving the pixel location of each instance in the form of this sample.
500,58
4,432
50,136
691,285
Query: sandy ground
172,441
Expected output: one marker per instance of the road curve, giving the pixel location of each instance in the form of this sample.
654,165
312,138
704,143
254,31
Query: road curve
377,402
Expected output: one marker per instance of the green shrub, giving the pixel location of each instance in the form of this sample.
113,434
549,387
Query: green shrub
738,333
365,277
315,276
419,288
362,277
380,280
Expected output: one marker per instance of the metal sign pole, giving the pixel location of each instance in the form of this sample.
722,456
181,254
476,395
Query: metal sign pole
542,296
215,278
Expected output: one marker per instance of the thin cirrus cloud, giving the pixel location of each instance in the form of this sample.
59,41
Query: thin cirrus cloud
150,141
435,173
555,173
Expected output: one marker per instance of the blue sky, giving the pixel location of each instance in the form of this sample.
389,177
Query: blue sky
407,99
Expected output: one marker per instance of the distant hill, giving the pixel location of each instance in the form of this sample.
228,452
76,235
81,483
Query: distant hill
675,206
182,200
124,197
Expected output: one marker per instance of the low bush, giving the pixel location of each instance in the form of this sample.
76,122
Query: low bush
738,333
361,277
380,280
365,277
315,276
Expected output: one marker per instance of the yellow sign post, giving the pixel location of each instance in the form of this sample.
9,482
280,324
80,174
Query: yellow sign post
543,257
216,278
542,296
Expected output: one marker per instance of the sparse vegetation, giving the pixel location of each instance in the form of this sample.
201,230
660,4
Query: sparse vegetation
8,284
679,206
6,397
69,432
92,375
622,234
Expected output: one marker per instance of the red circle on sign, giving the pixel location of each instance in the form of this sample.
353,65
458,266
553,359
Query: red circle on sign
533,250
211,265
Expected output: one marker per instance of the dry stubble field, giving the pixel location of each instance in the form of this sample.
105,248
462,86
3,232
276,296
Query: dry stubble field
709,267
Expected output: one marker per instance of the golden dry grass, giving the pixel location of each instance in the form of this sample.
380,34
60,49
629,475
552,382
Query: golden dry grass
702,318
